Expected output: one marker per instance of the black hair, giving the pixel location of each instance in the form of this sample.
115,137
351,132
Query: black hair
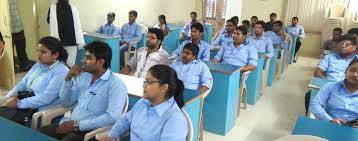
245,21
134,13
273,15
338,29
158,33
242,29
167,75
348,37
355,60
353,31
194,48
163,17
254,17
235,20
63,3
262,23
231,21
101,50
278,22
54,45
196,14
295,18
111,14
197,26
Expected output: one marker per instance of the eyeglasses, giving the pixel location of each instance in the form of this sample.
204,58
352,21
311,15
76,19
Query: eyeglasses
148,82
345,44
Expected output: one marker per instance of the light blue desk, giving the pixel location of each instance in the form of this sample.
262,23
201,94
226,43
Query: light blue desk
272,68
171,41
11,131
112,41
292,51
253,82
213,52
326,130
221,105
193,100
317,83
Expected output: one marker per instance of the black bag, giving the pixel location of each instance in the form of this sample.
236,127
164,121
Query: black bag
352,123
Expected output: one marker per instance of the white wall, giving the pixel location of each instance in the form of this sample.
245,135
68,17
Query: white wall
262,9
233,8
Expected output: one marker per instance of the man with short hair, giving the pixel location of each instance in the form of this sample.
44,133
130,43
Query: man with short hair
186,31
262,43
296,31
269,24
109,28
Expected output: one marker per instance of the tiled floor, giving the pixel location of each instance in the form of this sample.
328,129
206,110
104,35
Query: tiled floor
275,113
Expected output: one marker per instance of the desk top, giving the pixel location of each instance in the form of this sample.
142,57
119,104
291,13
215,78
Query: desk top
222,68
11,131
102,36
323,129
134,84
317,83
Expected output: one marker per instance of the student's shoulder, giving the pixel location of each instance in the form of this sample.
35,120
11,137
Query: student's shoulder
61,67
115,79
205,43
177,117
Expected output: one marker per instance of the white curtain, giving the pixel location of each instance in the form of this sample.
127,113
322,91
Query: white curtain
311,13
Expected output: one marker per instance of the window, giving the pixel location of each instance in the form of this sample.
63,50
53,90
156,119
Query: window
210,8
223,14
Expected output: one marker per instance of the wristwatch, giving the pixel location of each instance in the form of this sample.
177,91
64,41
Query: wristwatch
76,126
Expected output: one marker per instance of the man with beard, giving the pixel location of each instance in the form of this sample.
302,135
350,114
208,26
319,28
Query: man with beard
146,57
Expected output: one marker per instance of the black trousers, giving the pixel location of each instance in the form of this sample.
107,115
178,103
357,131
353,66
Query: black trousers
19,41
21,116
298,45
307,100
74,136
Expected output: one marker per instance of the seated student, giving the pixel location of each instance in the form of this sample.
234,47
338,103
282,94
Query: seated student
193,72
333,65
40,87
263,44
109,28
100,96
146,57
332,44
235,21
197,30
246,24
251,29
187,27
338,102
277,35
227,36
162,25
269,24
131,35
238,53
157,116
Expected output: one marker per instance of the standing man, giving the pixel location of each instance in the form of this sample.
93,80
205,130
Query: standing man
296,31
65,24
18,37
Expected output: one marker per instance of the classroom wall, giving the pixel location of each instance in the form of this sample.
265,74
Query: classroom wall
311,45
233,8
262,9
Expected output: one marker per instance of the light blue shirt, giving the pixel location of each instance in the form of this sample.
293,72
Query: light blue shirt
295,31
204,50
109,29
334,66
275,38
262,44
45,82
224,38
187,29
193,74
164,122
335,101
132,33
98,104
244,54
